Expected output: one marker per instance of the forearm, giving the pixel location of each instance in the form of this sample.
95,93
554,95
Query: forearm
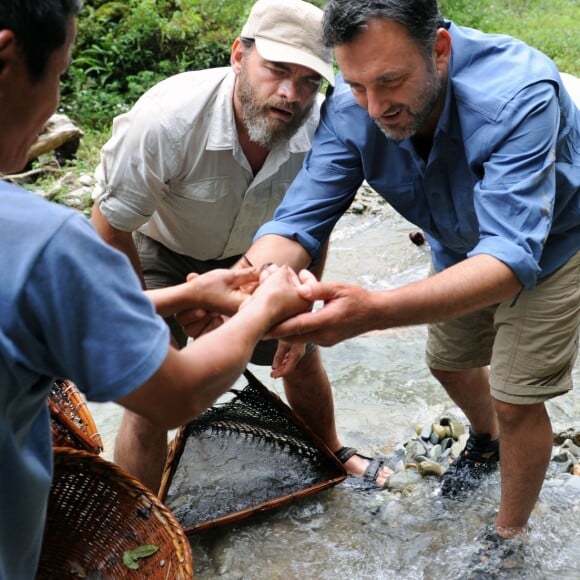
190,380
122,241
278,250
466,287
174,299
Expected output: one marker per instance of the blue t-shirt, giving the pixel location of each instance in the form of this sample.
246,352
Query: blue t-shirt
502,177
70,307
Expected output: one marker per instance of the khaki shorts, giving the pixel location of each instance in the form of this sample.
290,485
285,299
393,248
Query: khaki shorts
163,267
530,343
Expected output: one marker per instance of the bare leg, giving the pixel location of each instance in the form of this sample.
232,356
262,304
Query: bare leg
309,393
525,451
469,389
141,449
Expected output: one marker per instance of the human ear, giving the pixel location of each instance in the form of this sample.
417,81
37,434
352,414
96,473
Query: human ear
442,48
7,48
237,55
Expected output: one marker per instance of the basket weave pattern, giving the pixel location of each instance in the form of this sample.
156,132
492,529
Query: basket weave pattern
96,512
72,424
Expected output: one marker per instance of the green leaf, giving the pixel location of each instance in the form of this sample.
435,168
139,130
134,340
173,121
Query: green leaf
130,557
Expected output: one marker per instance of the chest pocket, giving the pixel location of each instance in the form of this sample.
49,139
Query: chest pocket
206,190
277,191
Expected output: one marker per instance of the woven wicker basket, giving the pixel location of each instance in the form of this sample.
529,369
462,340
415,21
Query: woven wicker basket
243,457
71,422
96,513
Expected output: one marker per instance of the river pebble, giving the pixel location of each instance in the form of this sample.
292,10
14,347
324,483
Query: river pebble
438,443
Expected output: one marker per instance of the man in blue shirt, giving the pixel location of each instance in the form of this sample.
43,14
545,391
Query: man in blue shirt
474,138
71,306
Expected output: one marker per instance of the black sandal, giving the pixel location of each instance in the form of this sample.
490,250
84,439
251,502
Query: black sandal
371,472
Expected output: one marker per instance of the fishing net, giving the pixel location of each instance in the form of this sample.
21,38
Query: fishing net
244,456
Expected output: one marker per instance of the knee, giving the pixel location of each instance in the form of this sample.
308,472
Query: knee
140,427
448,378
512,416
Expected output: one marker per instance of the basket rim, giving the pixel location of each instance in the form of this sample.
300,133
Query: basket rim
89,440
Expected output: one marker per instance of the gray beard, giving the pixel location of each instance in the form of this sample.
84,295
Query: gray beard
260,132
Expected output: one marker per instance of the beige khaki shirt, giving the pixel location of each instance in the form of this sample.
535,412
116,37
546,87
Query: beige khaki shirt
174,168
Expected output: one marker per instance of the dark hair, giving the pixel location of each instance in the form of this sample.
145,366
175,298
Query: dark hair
40,27
247,43
345,19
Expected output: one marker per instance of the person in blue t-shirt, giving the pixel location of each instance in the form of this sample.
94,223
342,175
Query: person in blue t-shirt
474,138
67,309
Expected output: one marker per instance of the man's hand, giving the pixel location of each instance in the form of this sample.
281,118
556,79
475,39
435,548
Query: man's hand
286,358
345,314
277,295
215,293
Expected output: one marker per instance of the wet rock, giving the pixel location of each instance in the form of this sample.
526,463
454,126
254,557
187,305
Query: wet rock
438,443
458,446
572,434
570,446
403,480
435,452
573,484
430,468
358,207
415,447
425,431
417,238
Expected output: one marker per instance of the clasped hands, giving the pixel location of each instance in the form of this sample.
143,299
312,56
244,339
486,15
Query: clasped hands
289,298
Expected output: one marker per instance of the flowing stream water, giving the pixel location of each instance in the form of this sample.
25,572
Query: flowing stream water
383,392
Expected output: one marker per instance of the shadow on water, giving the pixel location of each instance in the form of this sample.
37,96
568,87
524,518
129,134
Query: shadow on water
383,392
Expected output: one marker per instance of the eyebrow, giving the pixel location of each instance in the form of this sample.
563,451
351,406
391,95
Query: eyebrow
384,78
288,67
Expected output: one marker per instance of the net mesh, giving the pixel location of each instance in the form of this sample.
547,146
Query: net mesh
248,454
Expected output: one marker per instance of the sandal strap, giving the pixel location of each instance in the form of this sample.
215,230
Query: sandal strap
480,448
345,453
372,471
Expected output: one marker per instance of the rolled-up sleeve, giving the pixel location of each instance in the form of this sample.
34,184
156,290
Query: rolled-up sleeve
135,164
514,200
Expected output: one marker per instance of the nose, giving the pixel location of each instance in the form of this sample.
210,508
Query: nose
289,90
374,105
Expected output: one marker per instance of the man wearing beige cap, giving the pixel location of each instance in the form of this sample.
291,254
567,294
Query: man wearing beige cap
195,168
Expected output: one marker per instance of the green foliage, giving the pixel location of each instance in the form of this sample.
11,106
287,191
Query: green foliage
123,48
549,25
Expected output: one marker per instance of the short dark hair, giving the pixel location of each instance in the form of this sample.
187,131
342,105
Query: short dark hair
40,27
345,19
247,43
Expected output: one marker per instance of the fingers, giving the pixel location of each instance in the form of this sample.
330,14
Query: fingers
244,276
286,358
307,277
281,353
191,316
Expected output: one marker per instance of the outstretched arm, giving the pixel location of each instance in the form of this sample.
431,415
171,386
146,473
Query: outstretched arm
350,310
215,291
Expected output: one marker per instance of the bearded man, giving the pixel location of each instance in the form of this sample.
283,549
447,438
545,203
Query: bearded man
195,168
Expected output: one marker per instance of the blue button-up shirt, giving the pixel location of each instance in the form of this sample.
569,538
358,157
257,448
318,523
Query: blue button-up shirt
502,177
